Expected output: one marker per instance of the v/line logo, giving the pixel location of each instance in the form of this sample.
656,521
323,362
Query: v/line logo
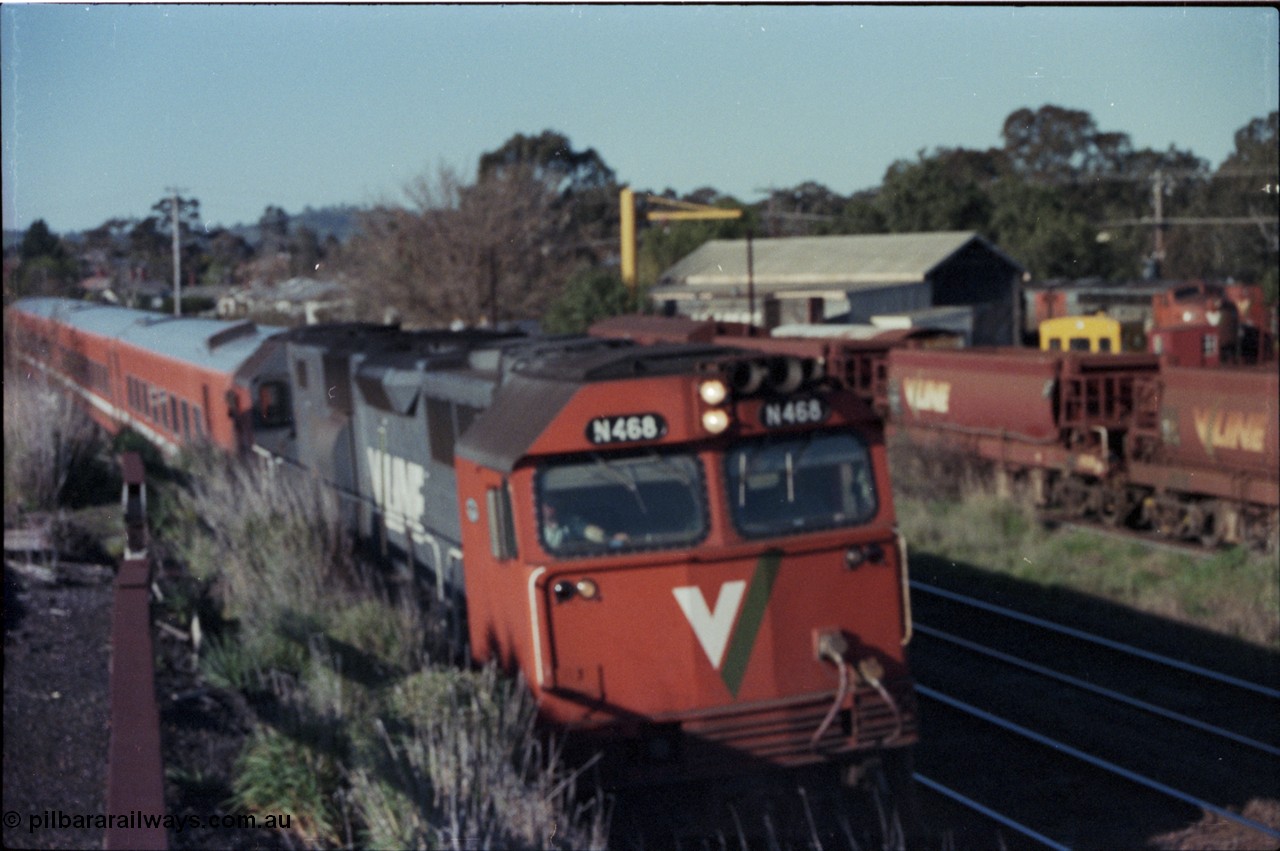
397,490
727,629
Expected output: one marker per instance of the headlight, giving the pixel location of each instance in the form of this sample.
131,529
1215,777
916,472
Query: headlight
713,392
715,420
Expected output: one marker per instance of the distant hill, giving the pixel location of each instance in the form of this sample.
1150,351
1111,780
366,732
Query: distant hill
339,221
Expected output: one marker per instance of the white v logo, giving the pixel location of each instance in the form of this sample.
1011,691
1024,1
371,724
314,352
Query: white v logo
712,628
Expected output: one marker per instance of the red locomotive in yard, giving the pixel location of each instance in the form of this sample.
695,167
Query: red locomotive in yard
687,550
1127,438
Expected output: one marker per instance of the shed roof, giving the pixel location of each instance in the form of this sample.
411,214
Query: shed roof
861,261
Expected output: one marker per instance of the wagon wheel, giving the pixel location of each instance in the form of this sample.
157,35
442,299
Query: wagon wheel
1211,527
1257,533
1074,495
1115,505
1166,519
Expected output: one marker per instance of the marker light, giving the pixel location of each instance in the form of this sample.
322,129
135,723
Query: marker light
713,392
715,420
588,589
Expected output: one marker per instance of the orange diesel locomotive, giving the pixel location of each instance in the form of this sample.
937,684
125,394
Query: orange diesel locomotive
688,550
692,549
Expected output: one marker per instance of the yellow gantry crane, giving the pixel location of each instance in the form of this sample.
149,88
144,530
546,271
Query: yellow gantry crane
682,211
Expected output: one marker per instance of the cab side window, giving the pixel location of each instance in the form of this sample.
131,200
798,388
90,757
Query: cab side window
271,405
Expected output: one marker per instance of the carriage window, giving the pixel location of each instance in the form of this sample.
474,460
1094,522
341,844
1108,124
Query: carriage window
800,484
617,503
1104,344
272,408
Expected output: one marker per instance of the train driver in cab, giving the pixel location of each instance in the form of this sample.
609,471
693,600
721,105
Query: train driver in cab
561,529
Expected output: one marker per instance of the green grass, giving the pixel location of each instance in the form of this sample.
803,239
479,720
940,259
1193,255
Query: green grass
1233,592
278,774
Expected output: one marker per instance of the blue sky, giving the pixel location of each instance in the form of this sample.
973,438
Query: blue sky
248,106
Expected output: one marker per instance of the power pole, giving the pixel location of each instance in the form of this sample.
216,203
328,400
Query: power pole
176,204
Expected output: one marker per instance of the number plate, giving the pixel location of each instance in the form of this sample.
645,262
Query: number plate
786,413
628,428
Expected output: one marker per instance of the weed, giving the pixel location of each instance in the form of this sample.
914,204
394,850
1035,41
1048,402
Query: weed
279,774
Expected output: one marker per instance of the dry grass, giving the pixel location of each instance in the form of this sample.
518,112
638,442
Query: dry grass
47,438
346,677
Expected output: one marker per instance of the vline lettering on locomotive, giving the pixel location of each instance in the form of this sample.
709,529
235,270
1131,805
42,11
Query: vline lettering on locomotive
397,489
628,428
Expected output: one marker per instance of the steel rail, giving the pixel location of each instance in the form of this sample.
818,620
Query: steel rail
1266,691
1096,762
1076,682
959,798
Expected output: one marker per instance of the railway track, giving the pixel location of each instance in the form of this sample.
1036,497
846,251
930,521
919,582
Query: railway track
1058,736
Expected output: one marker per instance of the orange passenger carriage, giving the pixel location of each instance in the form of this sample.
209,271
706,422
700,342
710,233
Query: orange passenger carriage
173,380
692,551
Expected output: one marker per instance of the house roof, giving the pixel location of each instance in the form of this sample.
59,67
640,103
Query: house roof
821,262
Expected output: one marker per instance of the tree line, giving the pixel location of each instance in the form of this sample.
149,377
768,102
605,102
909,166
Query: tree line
535,234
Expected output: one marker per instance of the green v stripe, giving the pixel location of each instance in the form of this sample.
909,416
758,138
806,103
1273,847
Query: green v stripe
744,634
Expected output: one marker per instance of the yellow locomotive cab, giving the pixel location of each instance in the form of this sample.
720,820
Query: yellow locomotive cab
1080,334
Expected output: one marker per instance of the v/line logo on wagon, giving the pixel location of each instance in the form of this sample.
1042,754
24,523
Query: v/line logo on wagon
727,629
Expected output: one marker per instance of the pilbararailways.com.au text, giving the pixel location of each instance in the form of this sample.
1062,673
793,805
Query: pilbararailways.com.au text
136,819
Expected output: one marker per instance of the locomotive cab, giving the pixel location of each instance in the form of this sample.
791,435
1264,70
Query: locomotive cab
699,559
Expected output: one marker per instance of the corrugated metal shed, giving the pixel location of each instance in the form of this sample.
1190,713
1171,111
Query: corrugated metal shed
846,279
821,262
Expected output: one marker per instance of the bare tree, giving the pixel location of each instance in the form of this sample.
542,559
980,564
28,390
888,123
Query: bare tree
494,251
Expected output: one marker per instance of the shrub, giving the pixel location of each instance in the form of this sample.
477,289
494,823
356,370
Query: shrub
48,437
326,654
279,774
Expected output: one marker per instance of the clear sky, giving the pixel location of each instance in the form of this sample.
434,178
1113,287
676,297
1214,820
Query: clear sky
105,106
